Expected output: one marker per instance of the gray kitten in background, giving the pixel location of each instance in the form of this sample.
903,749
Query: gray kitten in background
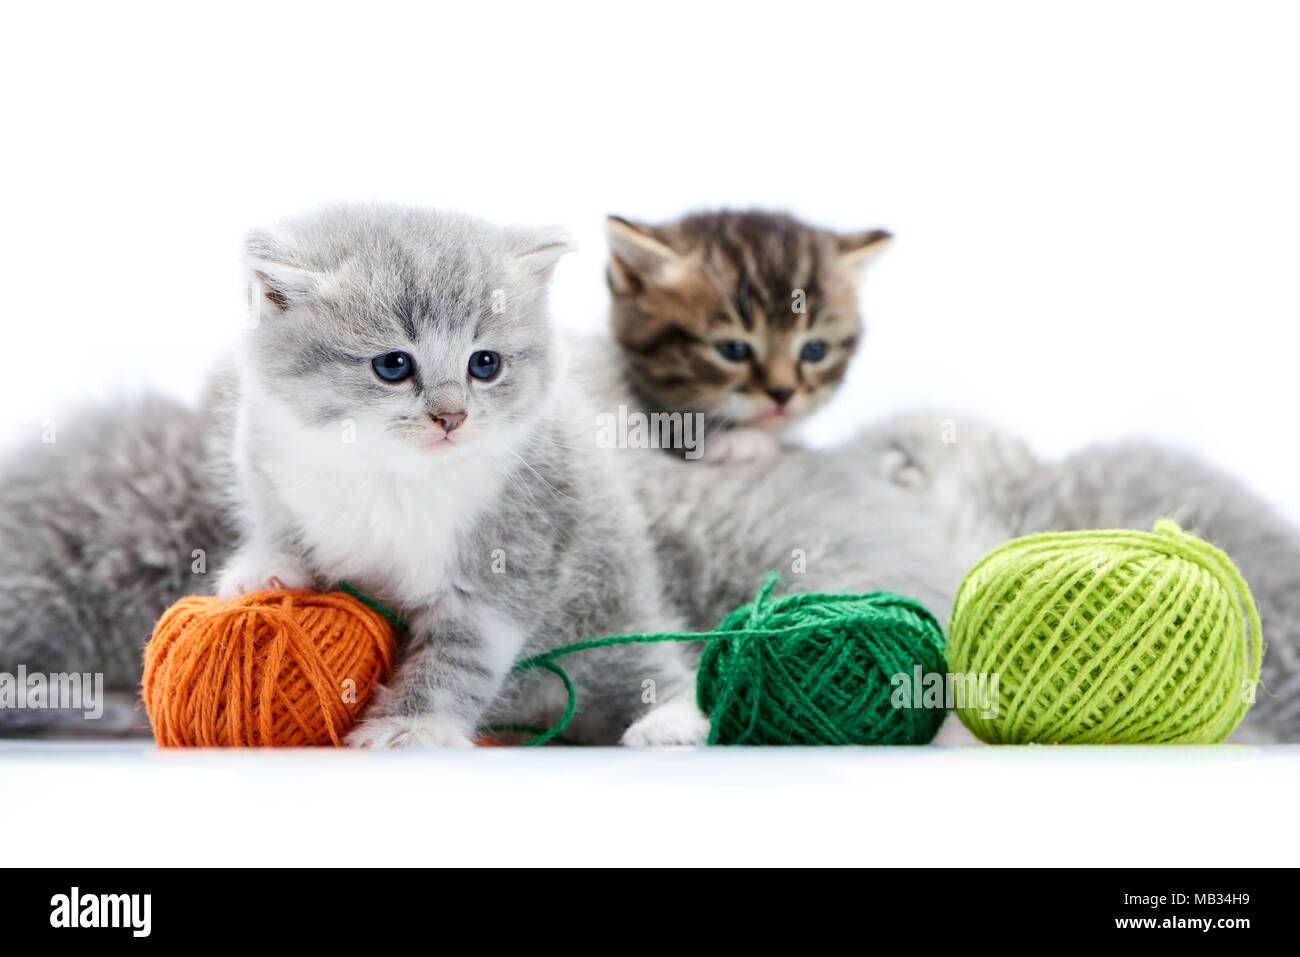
105,522
985,486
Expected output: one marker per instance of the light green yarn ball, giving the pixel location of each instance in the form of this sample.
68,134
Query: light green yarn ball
1108,637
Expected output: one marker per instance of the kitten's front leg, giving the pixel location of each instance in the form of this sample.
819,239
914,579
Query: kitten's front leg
266,558
446,681
675,719
674,723
261,568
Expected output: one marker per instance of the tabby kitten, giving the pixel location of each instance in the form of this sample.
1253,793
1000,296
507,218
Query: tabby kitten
750,318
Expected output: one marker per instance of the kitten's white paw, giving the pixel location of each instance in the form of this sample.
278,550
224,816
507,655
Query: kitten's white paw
408,731
740,445
670,725
261,571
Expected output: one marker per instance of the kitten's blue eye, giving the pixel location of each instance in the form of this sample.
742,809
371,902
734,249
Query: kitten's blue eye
484,364
735,350
393,366
814,350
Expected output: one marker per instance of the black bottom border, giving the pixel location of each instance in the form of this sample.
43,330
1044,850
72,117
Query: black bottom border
1054,908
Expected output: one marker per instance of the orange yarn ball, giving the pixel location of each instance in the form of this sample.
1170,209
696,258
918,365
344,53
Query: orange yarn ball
269,669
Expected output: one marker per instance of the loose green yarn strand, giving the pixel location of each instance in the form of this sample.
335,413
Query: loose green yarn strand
800,669
392,617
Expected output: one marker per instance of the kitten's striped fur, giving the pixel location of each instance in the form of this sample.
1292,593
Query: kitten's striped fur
685,290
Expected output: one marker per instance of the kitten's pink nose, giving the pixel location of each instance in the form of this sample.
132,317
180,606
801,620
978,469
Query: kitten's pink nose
450,421
782,395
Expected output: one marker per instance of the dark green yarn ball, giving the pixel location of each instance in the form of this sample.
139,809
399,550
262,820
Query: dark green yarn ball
818,669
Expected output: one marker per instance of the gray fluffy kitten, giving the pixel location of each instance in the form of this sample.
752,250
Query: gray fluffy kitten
399,424
103,524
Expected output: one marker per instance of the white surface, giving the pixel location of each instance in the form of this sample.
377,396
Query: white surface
1095,202
126,804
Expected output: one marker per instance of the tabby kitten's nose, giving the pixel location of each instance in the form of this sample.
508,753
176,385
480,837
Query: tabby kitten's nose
449,421
781,396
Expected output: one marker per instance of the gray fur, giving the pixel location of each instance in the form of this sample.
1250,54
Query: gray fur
810,515
121,716
98,532
719,527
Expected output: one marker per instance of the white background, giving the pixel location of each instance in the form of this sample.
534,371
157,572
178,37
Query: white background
1034,806
1097,204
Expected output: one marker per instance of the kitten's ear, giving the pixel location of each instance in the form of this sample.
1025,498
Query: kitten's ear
857,249
540,249
269,264
636,258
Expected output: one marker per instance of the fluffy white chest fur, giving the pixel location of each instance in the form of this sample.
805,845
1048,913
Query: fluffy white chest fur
383,517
